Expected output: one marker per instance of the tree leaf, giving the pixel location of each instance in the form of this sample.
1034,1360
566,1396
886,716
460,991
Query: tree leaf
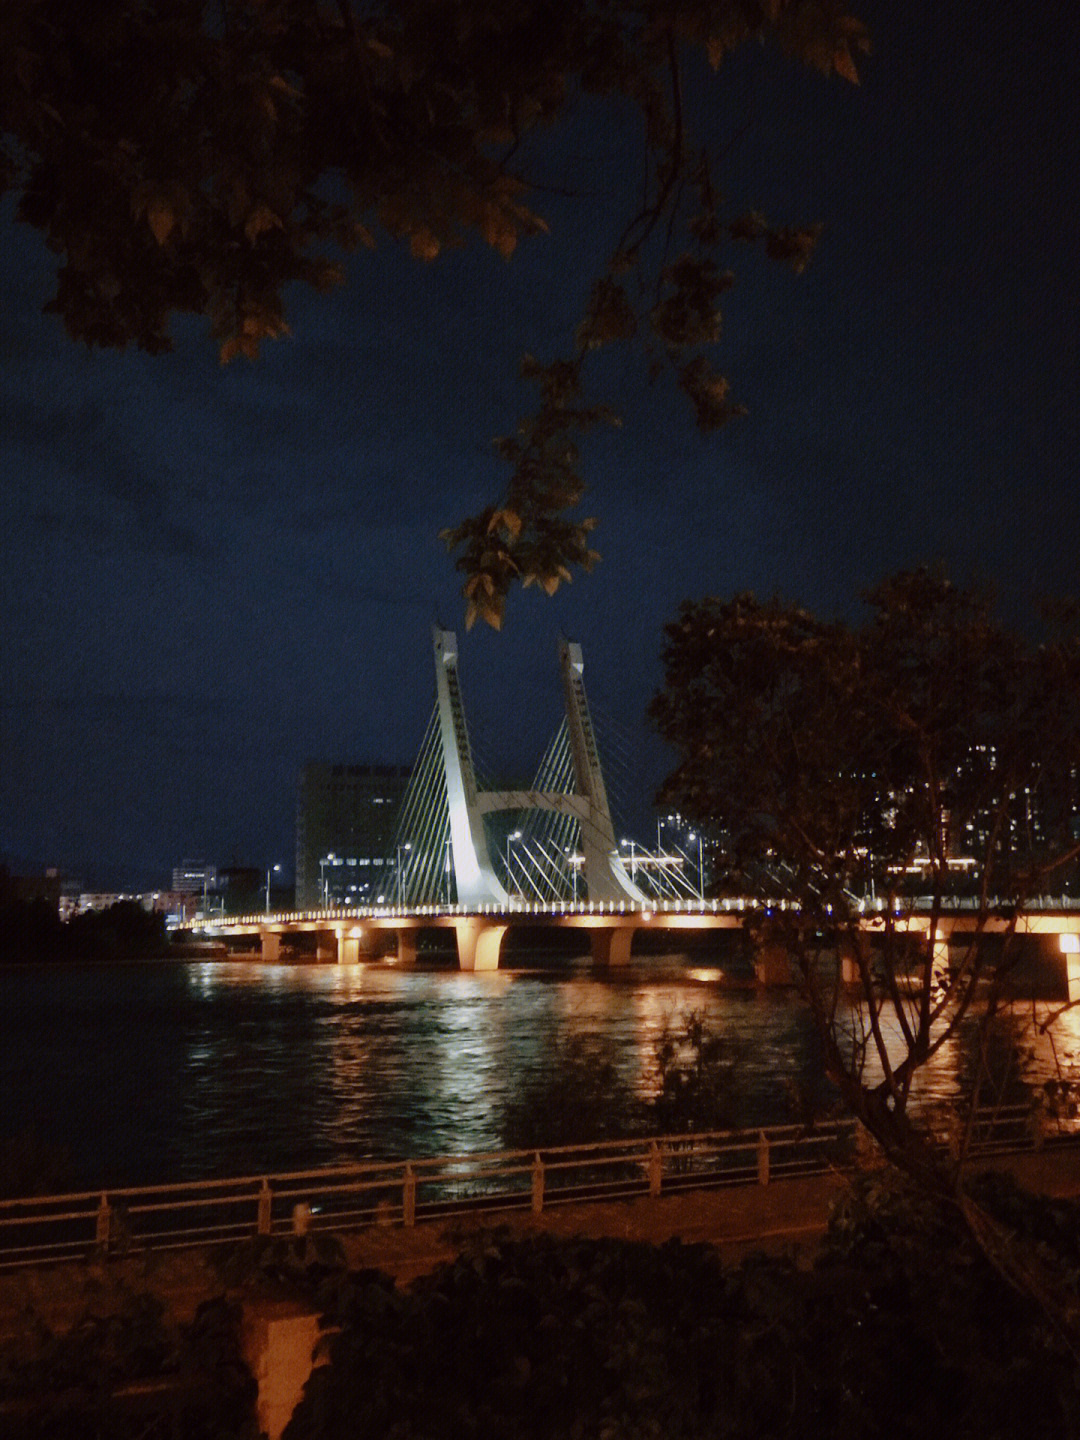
261,219
161,219
844,65
424,244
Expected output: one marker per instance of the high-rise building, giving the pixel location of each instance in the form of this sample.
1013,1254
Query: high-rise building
195,883
192,877
346,817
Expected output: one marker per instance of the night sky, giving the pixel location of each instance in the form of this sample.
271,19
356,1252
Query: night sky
211,575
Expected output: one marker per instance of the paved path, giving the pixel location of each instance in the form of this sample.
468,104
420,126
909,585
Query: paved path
736,1218
786,1214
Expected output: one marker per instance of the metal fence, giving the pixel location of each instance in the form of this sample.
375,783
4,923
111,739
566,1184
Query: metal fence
344,1197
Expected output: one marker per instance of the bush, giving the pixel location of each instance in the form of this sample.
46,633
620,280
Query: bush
63,1386
901,1327
579,1096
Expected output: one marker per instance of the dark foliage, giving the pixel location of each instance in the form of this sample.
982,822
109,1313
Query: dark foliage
128,1374
848,769
32,930
696,1074
578,1095
901,1327
182,157
298,1263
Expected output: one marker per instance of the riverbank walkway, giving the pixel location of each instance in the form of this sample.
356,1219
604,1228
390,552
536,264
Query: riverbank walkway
790,1214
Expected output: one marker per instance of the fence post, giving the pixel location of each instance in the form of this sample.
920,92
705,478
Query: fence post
263,1224
868,1154
763,1158
408,1196
103,1225
1036,1126
537,1185
655,1164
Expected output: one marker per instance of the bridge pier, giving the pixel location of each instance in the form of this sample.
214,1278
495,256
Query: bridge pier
1069,947
1049,969
478,944
328,946
849,967
772,965
610,946
406,947
270,945
353,946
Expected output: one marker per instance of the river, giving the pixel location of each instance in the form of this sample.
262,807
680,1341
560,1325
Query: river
153,1072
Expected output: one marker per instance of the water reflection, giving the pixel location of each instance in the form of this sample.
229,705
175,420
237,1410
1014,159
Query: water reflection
186,1071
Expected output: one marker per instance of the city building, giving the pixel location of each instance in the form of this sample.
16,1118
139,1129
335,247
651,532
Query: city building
242,888
346,816
163,902
194,877
196,883
28,889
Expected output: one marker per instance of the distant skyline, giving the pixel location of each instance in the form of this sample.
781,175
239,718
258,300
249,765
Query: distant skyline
209,577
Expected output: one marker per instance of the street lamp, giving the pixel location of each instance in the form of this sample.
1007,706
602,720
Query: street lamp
576,861
633,857
270,870
448,867
696,835
324,884
514,835
406,847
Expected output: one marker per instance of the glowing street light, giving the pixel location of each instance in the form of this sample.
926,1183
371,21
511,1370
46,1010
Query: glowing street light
324,884
270,870
576,862
406,847
514,835
696,835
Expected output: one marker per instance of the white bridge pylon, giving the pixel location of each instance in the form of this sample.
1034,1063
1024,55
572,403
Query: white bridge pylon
477,882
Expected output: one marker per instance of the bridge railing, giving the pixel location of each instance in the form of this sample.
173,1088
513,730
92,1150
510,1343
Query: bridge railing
41,1229
658,905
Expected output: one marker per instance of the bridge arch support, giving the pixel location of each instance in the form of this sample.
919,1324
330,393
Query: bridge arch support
610,946
479,943
475,877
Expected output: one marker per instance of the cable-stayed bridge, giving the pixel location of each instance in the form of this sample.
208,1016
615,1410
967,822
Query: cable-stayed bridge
461,837
477,859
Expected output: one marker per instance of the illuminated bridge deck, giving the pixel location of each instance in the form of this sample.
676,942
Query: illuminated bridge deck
351,935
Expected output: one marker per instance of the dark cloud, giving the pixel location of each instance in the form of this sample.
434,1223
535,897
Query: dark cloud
73,471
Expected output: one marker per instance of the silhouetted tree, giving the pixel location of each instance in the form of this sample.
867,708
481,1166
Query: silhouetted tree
847,765
190,157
